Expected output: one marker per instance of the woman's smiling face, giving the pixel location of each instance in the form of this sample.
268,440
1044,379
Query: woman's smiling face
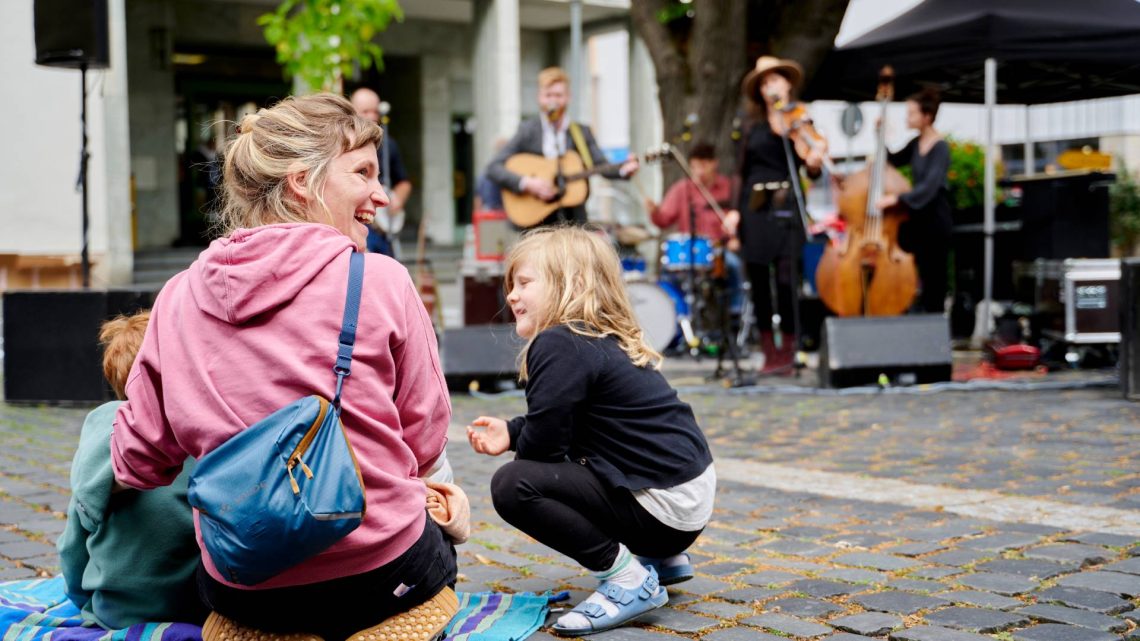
352,192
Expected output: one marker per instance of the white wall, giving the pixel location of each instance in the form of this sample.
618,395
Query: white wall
40,208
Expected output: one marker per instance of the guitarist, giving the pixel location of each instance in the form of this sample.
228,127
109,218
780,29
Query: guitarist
552,135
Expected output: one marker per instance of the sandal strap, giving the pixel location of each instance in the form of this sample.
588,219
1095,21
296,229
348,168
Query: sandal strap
592,610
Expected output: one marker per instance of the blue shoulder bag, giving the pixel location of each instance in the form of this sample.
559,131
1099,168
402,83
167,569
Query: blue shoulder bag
286,487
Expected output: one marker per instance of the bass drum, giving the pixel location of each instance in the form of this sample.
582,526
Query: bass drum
656,309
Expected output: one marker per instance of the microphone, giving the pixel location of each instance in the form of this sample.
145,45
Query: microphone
778,102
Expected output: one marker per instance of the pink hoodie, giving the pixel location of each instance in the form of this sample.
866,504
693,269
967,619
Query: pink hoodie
251,326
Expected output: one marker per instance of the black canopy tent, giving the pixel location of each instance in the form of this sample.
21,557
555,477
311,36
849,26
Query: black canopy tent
1047,51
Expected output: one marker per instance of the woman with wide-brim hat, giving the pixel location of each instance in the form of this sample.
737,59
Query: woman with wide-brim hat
770,229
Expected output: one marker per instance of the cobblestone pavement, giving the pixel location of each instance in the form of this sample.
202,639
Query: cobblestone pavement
824,527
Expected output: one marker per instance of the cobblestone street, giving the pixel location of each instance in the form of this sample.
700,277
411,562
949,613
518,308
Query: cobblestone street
950,516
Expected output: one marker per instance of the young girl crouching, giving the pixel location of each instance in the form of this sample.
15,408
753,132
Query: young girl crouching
609,462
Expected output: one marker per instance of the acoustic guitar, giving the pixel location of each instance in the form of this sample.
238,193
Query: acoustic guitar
571,182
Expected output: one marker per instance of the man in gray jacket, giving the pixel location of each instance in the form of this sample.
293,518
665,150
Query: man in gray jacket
551,135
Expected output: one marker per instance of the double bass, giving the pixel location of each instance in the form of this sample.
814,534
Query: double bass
867,273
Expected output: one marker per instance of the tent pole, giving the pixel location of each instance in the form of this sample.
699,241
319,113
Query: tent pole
1030,159
982,328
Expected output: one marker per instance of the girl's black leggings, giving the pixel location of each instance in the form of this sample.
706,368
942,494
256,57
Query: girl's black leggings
568,508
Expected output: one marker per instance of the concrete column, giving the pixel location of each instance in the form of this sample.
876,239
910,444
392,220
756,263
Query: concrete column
438,201
111,236
496,83
149,36
647,129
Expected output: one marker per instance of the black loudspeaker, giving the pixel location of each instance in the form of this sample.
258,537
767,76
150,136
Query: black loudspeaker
481,353
1130,328
72,33
906,349
51,342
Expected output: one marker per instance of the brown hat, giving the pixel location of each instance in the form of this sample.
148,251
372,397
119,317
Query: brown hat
790,69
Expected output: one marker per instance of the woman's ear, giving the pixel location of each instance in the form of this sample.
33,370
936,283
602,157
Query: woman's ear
298,184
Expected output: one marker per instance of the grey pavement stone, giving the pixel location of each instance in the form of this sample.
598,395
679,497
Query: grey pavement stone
1073,616
722,569
975,619
1029,568
981,599
876,561
851,575
805,532
505,558
25,549
797,547
801,607
1085,599
719,609
951,530
867,623
844,636
788,625
13,573
935,572
897,602
484,573
1125,585
629,633
748,595
1127,566
822,588
770,577
958,558
860,540
678,621
1072,552
792,564
914,585
1059,632
934,633
725,536
916,549
1001,542
1001,583
1103,538
553,572
739,634
701,585
534,584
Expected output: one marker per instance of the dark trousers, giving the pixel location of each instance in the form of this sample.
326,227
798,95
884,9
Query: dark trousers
339,608
931,264
568,508
759,274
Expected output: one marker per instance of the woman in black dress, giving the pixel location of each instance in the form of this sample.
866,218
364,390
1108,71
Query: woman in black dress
770,229
926,233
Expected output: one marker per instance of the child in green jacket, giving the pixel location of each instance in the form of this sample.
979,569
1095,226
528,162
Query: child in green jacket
127,556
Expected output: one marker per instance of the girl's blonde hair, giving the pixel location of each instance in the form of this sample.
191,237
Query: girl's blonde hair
584,289
298,134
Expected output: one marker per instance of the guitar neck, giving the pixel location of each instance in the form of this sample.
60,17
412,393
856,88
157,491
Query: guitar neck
593,171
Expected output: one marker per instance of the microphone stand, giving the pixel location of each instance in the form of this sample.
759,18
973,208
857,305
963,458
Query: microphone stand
795,243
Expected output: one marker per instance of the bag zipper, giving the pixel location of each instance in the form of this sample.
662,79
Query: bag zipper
302,447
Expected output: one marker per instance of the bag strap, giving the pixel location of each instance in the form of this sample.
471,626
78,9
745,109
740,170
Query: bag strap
580,143
347,339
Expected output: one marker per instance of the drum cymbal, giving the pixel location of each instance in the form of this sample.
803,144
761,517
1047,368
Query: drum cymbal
633,234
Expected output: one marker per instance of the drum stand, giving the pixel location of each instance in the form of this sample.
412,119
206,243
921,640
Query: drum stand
727,338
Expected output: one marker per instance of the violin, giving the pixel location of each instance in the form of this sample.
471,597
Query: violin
802,132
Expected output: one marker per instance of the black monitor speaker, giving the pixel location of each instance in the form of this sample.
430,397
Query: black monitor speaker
72,33
905,349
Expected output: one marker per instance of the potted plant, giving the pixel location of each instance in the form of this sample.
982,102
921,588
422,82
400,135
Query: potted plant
1124,213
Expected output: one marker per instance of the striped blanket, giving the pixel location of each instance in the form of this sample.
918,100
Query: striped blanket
38,610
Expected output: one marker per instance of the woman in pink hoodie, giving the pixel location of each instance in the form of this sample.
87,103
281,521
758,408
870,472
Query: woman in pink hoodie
253,324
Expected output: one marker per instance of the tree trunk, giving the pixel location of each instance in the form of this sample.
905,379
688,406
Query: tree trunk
700,63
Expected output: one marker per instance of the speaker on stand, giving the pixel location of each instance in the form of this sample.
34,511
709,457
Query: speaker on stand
73,34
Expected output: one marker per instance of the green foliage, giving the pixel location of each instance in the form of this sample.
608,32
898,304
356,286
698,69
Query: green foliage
1124,209
321,41
967,174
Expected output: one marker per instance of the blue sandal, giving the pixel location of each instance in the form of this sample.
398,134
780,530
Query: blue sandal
672,574
631,603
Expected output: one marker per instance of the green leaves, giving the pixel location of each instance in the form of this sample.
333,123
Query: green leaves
322,41
1124,210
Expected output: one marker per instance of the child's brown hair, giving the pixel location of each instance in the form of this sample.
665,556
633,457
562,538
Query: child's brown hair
121,338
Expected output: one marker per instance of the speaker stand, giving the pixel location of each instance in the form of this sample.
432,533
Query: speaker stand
82,181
